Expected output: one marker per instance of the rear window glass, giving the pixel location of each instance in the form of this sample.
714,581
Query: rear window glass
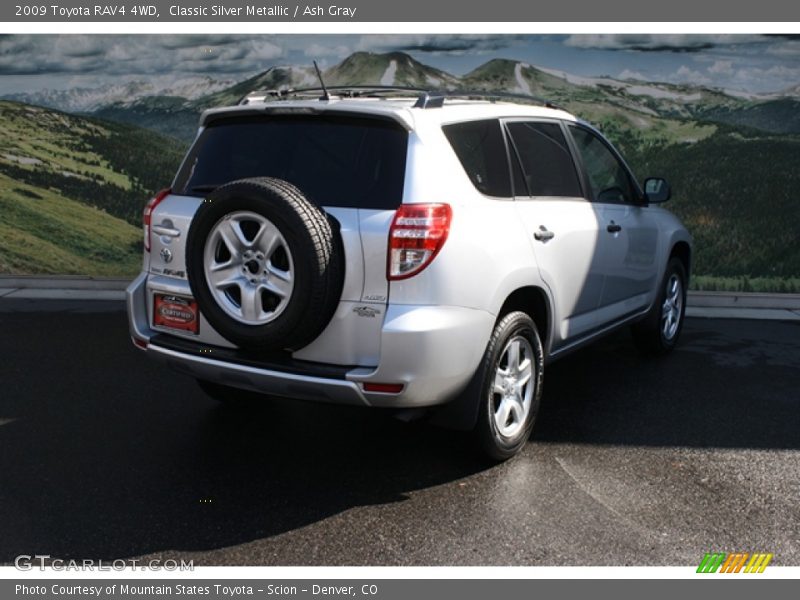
481,149
335,161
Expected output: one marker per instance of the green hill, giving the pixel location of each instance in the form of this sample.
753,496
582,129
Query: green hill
72,191
776,116
736,192
167,115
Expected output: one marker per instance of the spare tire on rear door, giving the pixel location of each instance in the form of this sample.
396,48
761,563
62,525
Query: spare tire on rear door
264,264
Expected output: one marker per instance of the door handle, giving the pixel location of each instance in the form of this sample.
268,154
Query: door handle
613,227
543,234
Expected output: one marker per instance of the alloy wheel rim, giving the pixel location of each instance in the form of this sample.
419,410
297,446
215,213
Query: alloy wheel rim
512,390
672,309
249,267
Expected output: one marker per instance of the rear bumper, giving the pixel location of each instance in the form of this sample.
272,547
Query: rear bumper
431,350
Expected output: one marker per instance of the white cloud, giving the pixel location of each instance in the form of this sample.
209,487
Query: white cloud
721,67
456,44
263,50
628,74
788,75
688,75
320,51
142,55
664,42
787,48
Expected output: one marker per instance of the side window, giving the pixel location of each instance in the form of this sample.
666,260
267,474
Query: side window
546,160
481,149
607,177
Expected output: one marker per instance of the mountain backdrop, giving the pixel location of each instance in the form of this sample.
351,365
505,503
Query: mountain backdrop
90,158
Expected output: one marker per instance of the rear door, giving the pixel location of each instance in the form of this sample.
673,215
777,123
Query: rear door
561,223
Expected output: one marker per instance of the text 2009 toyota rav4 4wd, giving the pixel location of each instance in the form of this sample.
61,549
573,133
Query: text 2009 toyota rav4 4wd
391,251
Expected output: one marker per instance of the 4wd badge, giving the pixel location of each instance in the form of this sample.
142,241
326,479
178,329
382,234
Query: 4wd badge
366,311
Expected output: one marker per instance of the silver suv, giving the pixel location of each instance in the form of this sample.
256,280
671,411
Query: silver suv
427,254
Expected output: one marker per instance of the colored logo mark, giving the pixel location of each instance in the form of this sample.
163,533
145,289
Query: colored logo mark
735,562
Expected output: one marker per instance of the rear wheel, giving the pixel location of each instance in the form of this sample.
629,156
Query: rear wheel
508,386
658,333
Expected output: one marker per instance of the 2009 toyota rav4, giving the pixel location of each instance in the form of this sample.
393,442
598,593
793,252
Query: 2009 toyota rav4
414,253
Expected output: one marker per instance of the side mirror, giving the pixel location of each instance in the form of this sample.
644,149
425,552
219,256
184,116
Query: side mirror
656,190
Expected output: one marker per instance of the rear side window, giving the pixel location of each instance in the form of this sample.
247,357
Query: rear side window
335,161
481,149
547,163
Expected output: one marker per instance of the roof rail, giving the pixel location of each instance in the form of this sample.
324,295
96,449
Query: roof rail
426,98
435,99
342,91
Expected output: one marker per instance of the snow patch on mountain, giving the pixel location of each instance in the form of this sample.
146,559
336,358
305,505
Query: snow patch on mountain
583,81
661,93
522,85
389,74
632,88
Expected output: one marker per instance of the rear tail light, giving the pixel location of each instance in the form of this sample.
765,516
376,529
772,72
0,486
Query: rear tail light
384,388
417,234
148,214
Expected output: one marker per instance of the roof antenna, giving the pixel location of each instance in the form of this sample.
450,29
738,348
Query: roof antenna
325,95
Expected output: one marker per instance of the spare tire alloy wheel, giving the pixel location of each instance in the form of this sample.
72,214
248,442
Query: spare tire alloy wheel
249,267
264,264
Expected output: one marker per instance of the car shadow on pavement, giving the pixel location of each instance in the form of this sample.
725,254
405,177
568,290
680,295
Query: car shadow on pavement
104,454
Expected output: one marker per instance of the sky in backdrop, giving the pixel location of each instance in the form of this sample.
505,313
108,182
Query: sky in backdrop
747,63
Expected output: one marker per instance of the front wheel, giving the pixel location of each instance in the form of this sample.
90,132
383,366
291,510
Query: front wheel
508,386
658,333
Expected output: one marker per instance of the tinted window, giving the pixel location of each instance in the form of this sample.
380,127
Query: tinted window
607,177
520,185
481,149
546,159
334,161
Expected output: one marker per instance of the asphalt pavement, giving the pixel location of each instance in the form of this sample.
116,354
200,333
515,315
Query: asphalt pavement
104,454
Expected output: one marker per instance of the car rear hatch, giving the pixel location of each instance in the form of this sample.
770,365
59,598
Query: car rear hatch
351,166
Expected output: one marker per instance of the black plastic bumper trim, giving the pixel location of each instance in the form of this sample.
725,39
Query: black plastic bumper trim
279,362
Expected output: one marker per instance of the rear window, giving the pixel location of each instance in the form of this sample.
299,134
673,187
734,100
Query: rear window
481,149
335,161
